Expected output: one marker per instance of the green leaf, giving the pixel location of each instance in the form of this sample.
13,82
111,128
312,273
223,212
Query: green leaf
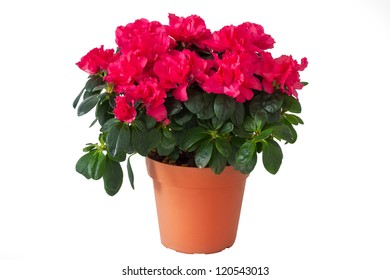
97,165
238,114
173,106
183,117
88,104
143,141
291,104
93,82
93,123
76,101
224,106
118,138
193,136
223,146
272,102
246,152
293,119
102,111
217,162
130,173
150,122
249,166
264,134
250,124
226,128
293,132
195,102
283,132
208,109
272,156
113,177
82,164
109,124
255,104
203,154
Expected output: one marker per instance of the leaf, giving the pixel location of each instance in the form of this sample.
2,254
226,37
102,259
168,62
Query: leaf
217,162
249,166
246,152
291,104
102,111
255,104
238,114
130,173
109,124
193,136
272,102
173,106
283,132
293,119
203,154
223,146
272,156
118,138
93,82
88,104
195,102
97,165
112,177
93,123
224,106
208,109
226,128
82,164
76,101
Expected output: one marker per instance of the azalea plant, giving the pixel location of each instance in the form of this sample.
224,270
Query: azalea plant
184,95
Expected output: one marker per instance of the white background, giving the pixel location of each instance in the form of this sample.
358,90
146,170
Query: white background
325,215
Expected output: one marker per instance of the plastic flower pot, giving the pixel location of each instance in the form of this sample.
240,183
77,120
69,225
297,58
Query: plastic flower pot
198,211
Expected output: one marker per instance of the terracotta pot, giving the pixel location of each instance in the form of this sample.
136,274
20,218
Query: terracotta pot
198,211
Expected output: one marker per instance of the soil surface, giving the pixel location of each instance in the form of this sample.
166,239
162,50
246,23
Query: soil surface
185,159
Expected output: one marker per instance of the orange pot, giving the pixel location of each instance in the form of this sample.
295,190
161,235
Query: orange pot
198,211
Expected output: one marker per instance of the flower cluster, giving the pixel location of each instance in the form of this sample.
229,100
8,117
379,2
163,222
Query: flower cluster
153,60
184,95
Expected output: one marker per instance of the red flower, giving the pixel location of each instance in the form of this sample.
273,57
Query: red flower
123,111
282,72
143,38
191,30
233,77
123,72
152,95
95,60
173,70
245,37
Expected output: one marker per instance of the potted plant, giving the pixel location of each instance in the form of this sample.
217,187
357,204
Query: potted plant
200,106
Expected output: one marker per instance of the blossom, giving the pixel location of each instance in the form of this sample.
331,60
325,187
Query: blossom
95,60
172,70
152,96
125,70
191,30
283,72
143,38
233,78
244,37
123,111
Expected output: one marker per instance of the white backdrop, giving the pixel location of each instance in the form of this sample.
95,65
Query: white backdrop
325,215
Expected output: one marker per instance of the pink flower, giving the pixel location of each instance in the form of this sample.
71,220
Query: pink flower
191,30
173,70
152,95
123,72
233,77
245,37
282,72
123,111
95,60
143,38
